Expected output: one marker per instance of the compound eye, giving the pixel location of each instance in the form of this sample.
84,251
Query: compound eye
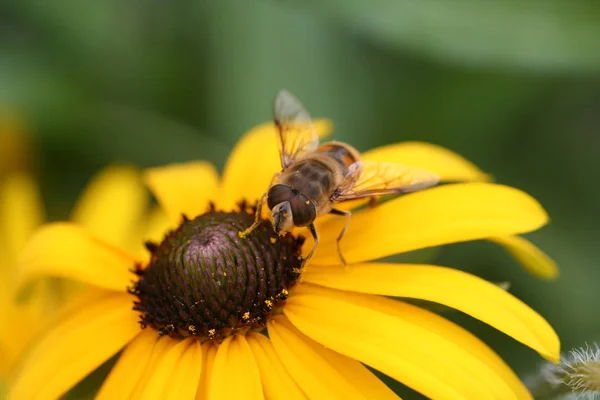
303,210
278,194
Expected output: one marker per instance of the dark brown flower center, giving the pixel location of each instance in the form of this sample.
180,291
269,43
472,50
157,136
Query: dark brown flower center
204,280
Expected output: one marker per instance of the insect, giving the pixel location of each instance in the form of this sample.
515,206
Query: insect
315,178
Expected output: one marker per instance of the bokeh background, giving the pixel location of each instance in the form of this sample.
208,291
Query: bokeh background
513,86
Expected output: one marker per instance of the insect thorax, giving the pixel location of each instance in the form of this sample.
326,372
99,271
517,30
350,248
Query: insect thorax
313,177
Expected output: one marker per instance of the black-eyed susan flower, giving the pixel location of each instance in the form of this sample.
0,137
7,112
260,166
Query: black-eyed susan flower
21,213
212,316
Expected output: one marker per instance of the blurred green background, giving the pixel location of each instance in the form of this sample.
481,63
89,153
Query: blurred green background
513,86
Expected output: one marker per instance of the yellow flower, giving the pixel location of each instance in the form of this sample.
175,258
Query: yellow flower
21,213
212,295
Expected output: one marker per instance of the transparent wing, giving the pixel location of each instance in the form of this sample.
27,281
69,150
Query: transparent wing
372,178
297,135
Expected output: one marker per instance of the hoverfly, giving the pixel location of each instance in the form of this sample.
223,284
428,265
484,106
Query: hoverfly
314,178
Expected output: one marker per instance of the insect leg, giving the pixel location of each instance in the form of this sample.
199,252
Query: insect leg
258,212
313,232
346,214
257,215
373,201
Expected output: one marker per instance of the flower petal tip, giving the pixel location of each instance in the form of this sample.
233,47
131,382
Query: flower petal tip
548,272
67,250
551,350
533,259
529,203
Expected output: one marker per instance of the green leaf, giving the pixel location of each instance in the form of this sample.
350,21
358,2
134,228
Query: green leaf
531,34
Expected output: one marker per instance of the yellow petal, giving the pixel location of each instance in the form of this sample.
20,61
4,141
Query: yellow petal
529,256
184,383
67,250
418,348
448,165
19,324
155,227
6,360
254,161
235,373
21,212
183,188
276,380
22,320
125,375
320,372
163,376
112,205
161,348
144,367
77,345
209,353
460,290
442,215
